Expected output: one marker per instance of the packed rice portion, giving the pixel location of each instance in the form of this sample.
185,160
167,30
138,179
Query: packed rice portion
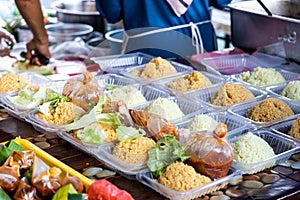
295,129
157,67
64,113
134,151
12,82
251,148
192,81
181,177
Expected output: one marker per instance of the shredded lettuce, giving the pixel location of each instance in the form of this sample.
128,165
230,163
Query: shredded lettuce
92,134
28,99
129,133
166,151
96,115
51,101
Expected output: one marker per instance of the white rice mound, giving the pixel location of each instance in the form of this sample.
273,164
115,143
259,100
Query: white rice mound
251,148
202,122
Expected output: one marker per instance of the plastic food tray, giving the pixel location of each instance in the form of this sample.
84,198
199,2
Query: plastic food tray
11,108
40,125
19,113
147,179
187,106
214,79
283,148
205,95
149,92
180,68
285,127
51,161
235,124
35,78
125,169
113,79
288,75
117,63
242,109
77,143
277,90
232,64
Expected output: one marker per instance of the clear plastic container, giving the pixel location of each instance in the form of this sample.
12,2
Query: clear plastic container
180,68
11,108
277,90
87,148
147,179
35,78
205,95
214,79
20,114
288,75
232,64
235,124
241,110
117,63
40,125
128,170
187,106
149,92
283,148
285,127
113,79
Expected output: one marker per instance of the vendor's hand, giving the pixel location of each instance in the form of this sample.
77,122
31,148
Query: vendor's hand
6,42
35,47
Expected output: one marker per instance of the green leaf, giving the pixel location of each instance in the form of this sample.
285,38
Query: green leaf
3,195
166,151
7,149
63,192
129,133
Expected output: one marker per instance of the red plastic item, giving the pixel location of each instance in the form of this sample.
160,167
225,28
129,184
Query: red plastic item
104,190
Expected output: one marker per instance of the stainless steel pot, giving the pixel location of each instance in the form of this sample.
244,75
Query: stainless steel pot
61,32
80,11
252,28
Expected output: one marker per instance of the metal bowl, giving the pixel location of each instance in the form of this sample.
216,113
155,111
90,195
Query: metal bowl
61,32
79,12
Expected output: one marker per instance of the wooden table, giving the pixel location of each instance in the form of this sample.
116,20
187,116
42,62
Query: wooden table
285,188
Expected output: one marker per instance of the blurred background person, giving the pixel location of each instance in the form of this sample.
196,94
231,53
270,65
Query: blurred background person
165,28
7,40
32,13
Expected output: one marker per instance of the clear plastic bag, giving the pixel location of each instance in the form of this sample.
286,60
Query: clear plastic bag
83,90
211,154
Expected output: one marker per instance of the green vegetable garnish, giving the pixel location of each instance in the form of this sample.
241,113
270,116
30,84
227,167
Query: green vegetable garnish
8,149
3,195
67,192
166,151
110,86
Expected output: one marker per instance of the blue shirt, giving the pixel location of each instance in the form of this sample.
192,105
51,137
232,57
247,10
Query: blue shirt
158,13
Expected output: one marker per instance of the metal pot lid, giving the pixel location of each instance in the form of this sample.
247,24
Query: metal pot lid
68,29
62,7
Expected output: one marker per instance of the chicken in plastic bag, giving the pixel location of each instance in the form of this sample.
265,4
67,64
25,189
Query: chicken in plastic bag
154,125
211,154
84,90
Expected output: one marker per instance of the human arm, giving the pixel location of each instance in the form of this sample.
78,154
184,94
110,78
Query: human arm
32,13
111,10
